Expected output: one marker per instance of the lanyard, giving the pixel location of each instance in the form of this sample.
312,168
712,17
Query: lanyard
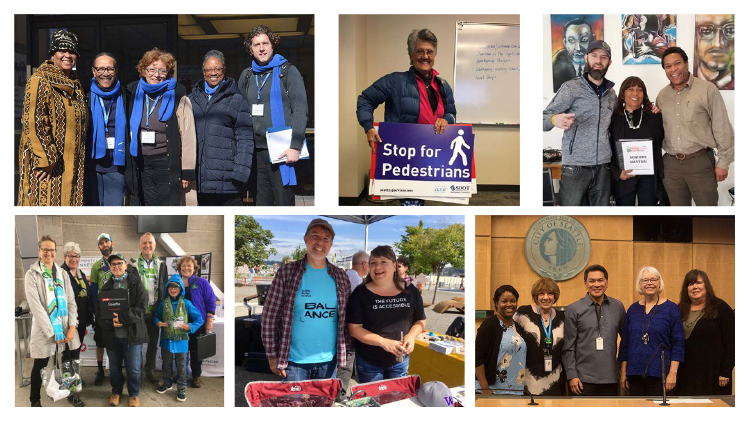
107,113
259,85
151,109
646,332
599,310
547,331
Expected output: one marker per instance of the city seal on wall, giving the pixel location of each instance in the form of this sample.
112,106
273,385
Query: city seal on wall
557,246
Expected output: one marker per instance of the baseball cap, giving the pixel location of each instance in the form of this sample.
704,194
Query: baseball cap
104,236
435,394
115,256
322,223
599,44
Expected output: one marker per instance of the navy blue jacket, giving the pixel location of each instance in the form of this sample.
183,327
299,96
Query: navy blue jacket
223,127
400,93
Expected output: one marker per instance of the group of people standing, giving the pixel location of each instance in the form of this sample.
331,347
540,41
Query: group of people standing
313,308
690,124
64,302
539,350
150,142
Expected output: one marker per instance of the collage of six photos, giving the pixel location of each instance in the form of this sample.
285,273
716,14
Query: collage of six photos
631,307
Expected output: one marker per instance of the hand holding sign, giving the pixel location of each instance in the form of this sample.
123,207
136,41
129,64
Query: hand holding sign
372,137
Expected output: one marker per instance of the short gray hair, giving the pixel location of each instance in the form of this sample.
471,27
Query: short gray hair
71,247
359,257
653,271
214,53
421,34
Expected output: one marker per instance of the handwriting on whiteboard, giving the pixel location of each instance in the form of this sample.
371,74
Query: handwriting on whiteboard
494,60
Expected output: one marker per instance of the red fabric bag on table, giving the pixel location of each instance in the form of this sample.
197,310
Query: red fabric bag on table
388,391
311,393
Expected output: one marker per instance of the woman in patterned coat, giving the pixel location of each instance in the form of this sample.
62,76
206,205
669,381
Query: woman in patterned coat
55,118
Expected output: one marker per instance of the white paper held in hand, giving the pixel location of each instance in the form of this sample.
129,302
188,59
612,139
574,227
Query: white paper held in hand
279,140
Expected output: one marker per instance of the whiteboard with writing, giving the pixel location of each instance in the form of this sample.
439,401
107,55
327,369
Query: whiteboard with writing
487,73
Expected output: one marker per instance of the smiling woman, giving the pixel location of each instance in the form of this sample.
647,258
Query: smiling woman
55,118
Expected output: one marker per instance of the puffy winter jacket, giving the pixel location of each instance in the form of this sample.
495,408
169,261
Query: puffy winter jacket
223,126
400,93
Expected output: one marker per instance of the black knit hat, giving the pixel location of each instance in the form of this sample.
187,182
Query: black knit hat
64,40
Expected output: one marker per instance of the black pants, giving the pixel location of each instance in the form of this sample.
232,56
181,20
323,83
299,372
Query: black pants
650,386
195,364
270,188
220,199
645,192
153,343
155,180
36,372
600,389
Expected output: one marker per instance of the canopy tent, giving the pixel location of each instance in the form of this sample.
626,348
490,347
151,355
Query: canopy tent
366,220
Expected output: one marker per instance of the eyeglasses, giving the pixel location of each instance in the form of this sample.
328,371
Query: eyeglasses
425,53
650,280
153,71
47,250
214,70
116,264
707,32
103,70
73,256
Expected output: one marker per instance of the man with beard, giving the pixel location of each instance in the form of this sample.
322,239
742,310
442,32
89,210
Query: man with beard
99,272
583,107
105,164
569,62
713,40
695,121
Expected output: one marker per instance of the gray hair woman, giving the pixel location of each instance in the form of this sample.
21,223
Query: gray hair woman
224,130
71,252
404,92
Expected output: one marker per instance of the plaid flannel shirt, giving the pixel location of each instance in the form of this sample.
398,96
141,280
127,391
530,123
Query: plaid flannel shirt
278,312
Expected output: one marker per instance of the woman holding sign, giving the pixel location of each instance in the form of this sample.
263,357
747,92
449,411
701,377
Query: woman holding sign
161,148
384,316
418,95
634,119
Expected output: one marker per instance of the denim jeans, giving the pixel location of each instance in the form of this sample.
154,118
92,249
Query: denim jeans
368,372
585,185
132,355
111,187
311,371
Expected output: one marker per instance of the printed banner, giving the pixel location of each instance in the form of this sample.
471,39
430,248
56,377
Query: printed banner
412,161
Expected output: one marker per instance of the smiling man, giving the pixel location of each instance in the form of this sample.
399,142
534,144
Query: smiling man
582,108
696,124
105,158
304,317
153,275
591,327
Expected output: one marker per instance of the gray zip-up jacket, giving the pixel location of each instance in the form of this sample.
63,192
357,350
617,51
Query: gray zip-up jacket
586,142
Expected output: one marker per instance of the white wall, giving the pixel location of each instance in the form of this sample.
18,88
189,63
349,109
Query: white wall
652,74
371,46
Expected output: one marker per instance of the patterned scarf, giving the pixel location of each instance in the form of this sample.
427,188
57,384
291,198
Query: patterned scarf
56,305
170,316
82,283
149,275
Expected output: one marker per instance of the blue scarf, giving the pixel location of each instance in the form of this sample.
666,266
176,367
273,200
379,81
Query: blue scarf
56,305
120,123
278,120
165,111
210,91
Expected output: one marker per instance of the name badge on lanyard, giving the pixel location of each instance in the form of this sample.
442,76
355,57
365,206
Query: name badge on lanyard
148,136
107,113
547,361
257,109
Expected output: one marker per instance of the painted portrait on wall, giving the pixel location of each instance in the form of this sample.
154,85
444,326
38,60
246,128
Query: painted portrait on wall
646,37
713,49
570,37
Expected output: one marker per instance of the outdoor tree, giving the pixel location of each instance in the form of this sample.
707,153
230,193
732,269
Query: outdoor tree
298,253
286,259
433,248
251,242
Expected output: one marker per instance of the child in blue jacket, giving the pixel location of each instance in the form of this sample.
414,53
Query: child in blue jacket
177,317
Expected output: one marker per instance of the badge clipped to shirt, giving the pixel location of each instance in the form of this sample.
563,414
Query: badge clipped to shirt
178,323
599,343
147,137
110,142
547,363
257,109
